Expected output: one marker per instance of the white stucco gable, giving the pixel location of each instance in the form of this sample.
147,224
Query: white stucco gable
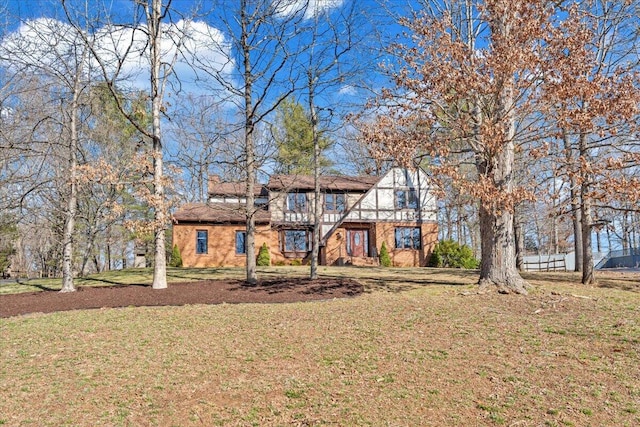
400,195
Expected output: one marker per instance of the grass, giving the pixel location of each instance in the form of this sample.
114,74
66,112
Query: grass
418,348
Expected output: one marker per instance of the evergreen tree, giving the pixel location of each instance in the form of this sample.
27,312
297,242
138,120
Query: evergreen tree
264,259
294,140
8,233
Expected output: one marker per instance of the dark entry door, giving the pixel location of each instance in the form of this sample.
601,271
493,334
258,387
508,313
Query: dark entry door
359,242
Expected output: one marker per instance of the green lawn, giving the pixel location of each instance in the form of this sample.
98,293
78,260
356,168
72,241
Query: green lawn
419,348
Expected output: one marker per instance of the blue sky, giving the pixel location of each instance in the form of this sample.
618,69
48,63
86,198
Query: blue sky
334,100
19,10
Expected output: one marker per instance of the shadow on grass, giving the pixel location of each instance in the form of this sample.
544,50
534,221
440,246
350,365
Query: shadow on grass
209,275
321,286
384,280
622,281
79,283
630,285
36,285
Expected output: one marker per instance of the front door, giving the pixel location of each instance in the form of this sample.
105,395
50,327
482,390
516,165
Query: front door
359,242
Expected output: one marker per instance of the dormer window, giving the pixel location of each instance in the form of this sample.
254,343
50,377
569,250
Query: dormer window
297,202
406,199
335,202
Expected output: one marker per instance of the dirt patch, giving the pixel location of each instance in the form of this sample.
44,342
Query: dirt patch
202,292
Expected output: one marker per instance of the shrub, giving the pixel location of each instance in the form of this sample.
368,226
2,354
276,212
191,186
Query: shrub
296,262
264,259
449,253
385,259
176,258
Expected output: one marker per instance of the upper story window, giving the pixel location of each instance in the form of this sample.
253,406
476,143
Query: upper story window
297,202
335,202
406,199
202,241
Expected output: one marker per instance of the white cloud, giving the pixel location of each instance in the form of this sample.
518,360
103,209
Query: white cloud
44,44
348,90
188,46
310,8
54,46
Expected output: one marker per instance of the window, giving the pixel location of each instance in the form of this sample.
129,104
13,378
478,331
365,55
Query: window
406,199
334,202
297,202
295,240
408,238
241,242
202,241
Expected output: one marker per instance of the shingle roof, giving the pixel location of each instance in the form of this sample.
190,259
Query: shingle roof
237,188
220,213
327,182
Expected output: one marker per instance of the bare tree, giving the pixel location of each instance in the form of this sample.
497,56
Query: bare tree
46,48
329,63
255,75
202,141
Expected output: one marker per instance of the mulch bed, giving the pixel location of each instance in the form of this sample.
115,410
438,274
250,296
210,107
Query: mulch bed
203,292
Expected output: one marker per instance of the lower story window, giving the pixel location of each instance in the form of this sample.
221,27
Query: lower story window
241,242
295,241
202,241
408,238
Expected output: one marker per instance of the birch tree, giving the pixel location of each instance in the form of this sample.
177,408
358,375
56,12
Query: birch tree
114,49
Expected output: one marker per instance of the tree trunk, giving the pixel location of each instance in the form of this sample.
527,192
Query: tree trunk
519,241
160,259
71,208
317,206
249,126
588,277
576,215
498,266
72,202
577,230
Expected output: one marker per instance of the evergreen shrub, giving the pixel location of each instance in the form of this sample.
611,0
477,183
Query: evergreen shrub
450,254
264,259
176,258
385,259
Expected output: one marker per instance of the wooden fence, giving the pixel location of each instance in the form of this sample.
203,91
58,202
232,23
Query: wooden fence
548,264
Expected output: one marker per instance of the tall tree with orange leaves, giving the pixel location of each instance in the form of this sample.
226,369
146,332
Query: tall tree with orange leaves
465,93
591,97
482,81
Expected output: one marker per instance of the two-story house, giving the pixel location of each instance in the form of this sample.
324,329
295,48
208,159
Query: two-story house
357,215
